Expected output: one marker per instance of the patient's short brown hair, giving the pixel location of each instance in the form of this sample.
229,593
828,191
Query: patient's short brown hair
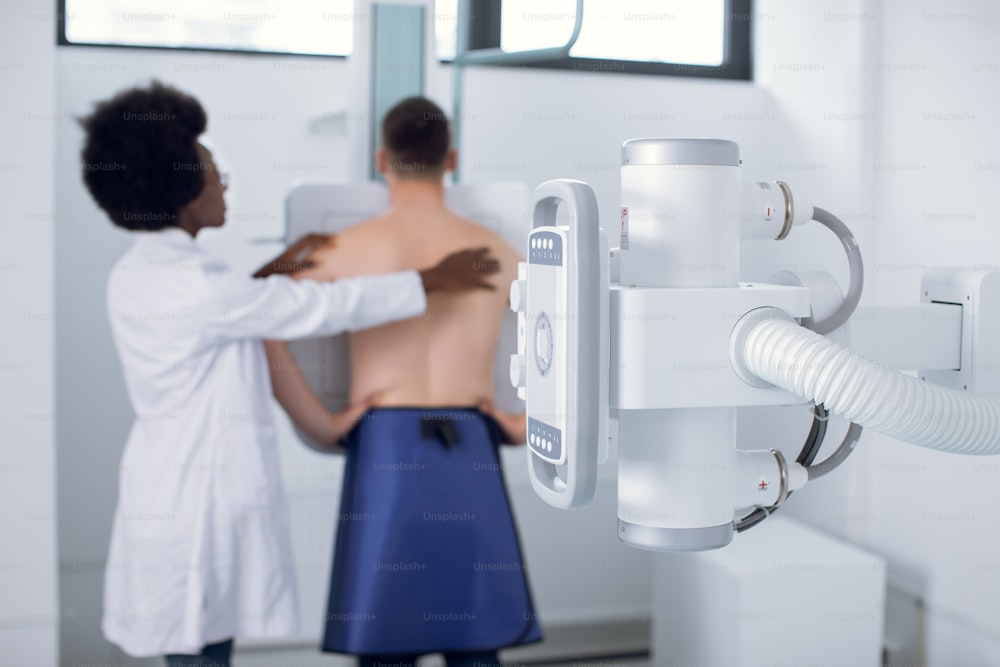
416,137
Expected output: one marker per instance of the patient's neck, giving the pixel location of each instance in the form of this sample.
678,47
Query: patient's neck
412,194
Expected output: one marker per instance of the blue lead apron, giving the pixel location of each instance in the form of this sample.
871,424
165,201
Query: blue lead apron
427,557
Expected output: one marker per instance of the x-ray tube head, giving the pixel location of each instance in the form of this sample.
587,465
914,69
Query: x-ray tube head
680,213
676,476
680,227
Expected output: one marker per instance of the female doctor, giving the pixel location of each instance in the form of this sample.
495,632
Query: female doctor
200,546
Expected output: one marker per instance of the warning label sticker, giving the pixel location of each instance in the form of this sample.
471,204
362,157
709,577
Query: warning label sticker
623,241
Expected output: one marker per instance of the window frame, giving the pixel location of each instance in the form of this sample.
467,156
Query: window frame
62,40
737,65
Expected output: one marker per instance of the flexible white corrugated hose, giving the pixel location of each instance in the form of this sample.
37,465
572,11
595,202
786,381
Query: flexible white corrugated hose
805,363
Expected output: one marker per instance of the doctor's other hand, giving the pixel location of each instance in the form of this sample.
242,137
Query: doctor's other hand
513,427
296,257
465,269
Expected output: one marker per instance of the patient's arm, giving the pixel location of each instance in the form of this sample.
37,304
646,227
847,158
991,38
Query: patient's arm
290,388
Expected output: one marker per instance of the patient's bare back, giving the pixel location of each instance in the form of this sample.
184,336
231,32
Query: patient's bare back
445,356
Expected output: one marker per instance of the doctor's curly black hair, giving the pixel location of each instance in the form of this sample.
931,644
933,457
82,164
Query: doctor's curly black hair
140,161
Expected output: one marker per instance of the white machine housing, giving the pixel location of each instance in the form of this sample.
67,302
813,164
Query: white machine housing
562,359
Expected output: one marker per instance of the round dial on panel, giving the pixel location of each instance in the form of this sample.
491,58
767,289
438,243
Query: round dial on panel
543,343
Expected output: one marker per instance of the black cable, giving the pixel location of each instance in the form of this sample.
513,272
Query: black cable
810,448
817,433
809,451
840,455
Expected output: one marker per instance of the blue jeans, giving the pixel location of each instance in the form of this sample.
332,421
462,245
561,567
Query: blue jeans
463,659
213,655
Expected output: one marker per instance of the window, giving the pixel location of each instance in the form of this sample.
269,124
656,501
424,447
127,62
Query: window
314,27
446,28
708,38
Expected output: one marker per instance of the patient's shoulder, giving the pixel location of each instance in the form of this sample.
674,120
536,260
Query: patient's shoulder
357,250
496,242
366,228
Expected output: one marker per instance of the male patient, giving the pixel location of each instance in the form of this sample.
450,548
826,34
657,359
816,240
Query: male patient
427,558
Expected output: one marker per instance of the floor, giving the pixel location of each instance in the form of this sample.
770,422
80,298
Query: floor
626,644
318,660
591,662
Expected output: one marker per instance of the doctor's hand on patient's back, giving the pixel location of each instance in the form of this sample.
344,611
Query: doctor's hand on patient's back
462,270
296,257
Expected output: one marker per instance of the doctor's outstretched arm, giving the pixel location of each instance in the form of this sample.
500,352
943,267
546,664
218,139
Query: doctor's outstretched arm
279,308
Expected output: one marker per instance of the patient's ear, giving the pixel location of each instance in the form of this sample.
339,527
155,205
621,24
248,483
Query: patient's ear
381,161
451,160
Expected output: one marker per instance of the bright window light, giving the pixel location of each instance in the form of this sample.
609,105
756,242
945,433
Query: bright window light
672,31
446,28
316,27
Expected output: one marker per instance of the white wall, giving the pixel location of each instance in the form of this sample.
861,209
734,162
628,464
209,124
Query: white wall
29,613
894,108
937,177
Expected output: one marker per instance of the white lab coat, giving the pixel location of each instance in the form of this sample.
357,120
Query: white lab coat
200,544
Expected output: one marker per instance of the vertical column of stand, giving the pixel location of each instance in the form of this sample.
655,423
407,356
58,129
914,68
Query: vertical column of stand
681,201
